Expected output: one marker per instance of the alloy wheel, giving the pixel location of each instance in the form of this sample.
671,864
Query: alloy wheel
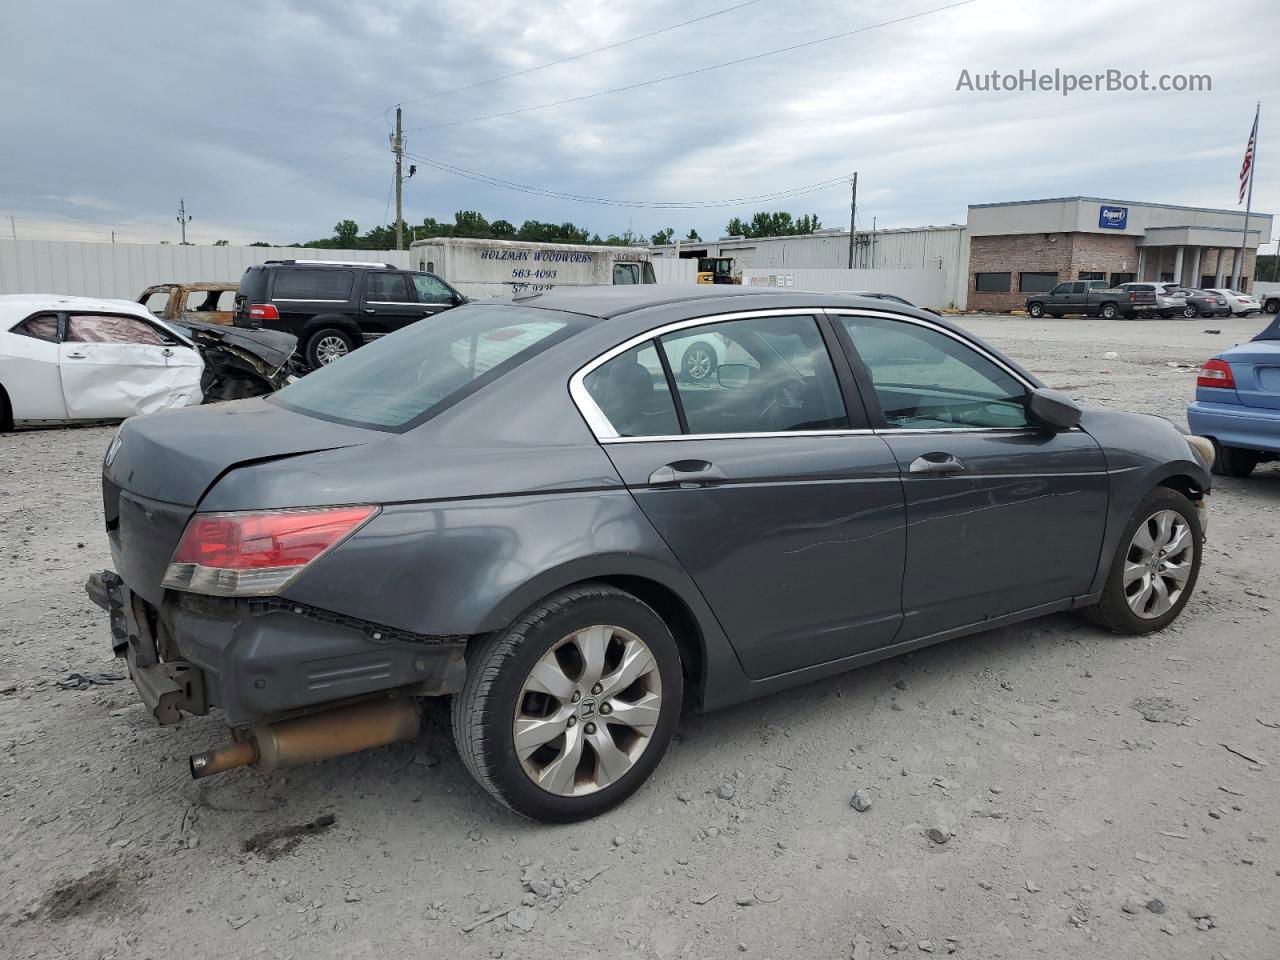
698,362
329,349
1158,564
587,710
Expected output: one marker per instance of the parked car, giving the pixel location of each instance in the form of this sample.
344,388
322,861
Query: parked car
1169,301
1270,302
1092,298
1241,304
1237,404
197,302
79,358
1203,303
335,306
574,547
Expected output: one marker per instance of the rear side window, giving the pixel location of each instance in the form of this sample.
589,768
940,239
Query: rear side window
253,285
312,284
631,391
42,327
210,301
403,379
109,328
386,288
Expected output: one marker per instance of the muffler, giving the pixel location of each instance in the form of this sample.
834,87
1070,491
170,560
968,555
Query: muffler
317,737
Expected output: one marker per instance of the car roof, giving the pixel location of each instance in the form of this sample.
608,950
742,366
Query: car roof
611,301
17,306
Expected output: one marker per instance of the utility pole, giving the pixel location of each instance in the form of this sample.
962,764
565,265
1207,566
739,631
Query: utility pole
13,228
853,211
397,147
183,219
873,243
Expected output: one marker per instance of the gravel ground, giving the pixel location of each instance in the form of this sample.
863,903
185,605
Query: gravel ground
1105,797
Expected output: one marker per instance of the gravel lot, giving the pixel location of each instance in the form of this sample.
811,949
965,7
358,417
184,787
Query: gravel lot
1098,789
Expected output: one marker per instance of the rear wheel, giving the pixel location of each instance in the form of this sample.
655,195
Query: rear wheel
1189,312
327,345
6,412
1036,310
1154,570
1108,311
566,712
1233,461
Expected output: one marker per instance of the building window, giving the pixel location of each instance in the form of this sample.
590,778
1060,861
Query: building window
1119,278
1166,277
992,282
1092,275
1037,282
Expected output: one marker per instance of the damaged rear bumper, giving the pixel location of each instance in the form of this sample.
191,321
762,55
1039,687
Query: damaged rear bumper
265,659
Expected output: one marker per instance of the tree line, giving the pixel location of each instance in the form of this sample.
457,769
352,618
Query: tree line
472,223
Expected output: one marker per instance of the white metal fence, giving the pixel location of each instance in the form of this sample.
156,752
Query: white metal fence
924,288
124,270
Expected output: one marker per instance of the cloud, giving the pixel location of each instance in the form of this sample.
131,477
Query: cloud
272,120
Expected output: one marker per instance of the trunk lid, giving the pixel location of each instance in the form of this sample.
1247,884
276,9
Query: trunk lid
159,467
1256,369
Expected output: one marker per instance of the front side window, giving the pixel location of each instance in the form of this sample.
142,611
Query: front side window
431,290
631,391
756,375
110,328
386,288
400,380
41,327
925,379
312,284
1062,288
626,273
991,282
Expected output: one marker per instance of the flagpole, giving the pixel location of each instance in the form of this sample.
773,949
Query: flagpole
1238,267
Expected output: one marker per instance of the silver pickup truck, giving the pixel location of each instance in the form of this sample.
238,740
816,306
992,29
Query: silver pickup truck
1093,298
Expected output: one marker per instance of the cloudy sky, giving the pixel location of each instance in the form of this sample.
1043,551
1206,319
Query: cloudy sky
271,118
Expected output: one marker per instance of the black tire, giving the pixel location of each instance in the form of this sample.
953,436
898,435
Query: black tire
1271,305
1190,312
1112,611
6,412
698,365
1233,461
1035,310
317,354
484,711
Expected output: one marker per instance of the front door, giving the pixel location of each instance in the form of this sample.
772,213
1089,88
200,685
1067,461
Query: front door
785,510
117,366
1002,516
434,295
388,305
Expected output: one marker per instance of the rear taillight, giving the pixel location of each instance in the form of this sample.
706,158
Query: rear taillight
263,311
257,554
1216,373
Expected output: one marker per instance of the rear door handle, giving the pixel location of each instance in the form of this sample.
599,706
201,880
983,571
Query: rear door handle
936,464
686,471
370,310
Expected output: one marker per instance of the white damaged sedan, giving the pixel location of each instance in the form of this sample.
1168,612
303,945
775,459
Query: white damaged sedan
80,358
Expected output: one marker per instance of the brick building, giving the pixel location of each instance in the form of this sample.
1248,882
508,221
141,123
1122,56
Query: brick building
1029,246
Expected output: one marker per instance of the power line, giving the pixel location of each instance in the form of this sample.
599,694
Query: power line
579,56
788,194
695,72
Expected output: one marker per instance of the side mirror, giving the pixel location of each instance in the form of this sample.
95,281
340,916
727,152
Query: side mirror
1052,409
733,376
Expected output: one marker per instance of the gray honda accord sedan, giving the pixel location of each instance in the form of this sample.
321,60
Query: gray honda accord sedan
529,506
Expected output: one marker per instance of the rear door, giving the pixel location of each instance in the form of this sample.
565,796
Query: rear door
388,304
764,480
114,365
1002,516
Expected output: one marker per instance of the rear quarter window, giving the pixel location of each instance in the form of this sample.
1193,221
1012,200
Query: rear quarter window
312,284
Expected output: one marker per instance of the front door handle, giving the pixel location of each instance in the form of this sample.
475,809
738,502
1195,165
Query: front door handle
370,310
936,464
686,471
75,356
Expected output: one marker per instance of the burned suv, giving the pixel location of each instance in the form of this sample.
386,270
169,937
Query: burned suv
334,306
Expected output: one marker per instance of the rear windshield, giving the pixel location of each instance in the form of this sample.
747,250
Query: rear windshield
253,285
311,284
402,379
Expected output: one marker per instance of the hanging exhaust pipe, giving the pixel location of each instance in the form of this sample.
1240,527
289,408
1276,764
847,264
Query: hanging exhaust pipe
320,736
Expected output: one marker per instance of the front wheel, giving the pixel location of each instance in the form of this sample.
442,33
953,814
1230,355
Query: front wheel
1036,310
327,346
1108,311
568,711
1155,567
699,363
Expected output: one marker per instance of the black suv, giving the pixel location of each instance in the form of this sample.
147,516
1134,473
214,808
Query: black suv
334,306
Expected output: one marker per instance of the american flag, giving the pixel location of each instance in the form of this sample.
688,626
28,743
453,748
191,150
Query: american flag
1246,168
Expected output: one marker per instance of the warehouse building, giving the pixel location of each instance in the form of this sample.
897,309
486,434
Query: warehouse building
1029,246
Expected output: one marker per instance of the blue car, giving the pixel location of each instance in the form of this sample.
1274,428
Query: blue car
1237,404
